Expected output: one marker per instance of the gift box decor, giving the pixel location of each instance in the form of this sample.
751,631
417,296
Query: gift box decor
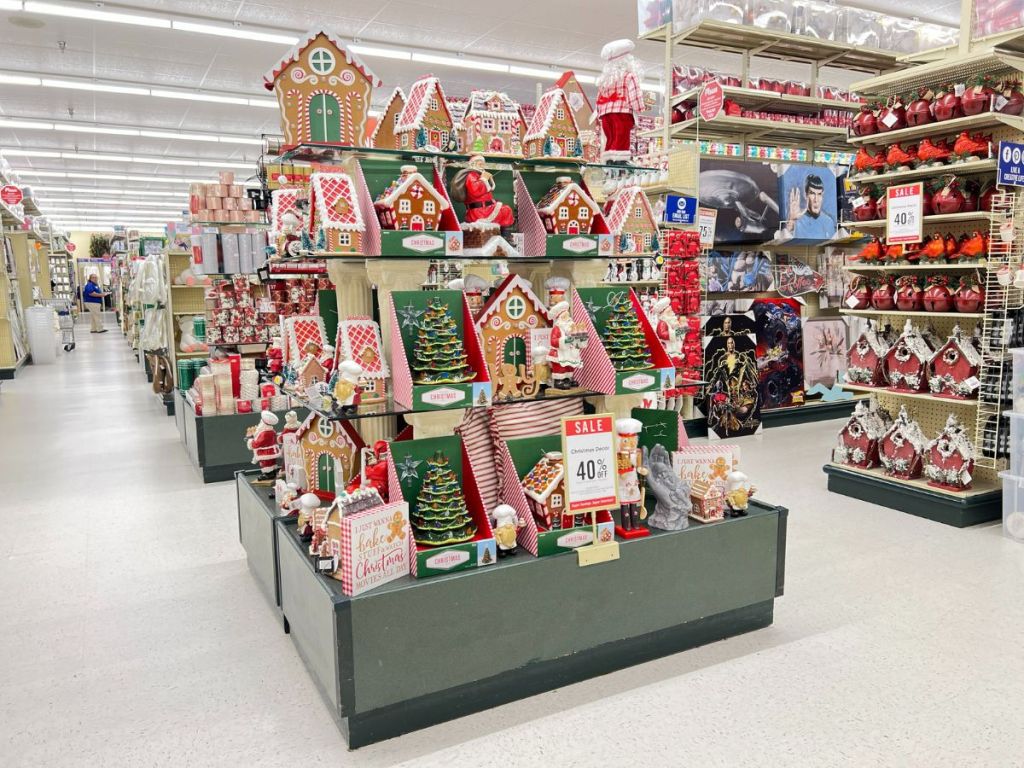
450,530
436,355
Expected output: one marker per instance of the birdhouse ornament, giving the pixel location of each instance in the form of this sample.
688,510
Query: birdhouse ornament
619,99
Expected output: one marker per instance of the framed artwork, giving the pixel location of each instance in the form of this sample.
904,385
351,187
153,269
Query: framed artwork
826,344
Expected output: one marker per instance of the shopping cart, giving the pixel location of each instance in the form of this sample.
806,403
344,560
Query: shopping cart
65,319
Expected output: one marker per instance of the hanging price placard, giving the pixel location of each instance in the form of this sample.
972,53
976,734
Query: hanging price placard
707,220
588,460
904,214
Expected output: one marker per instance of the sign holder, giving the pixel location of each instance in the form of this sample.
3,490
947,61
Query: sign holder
591,482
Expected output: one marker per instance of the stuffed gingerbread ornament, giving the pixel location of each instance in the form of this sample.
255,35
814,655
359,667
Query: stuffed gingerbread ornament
619,99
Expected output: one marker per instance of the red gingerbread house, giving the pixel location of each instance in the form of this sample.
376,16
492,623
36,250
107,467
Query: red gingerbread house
953,370
359,339
860,436
491,125
866,359
383,136
425,122
410,203
567,209
901,450
552,131
906,362
950,457
335,221
631,221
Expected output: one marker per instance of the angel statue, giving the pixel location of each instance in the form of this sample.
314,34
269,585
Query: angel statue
671,492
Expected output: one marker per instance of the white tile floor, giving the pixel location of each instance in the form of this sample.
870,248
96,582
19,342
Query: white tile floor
132,633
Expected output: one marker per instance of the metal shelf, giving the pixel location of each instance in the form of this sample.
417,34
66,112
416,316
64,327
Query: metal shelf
928,267
761,131
770,44
947,69
898,313
755,98
948,218
960,169
943,128
910,395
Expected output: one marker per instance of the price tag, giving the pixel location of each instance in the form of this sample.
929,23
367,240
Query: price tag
972,383
904,214
588,456
889,120
707,220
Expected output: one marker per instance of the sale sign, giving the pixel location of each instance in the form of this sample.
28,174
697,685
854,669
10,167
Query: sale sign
11,195
588,455
904,216
707,221
711,100
71,247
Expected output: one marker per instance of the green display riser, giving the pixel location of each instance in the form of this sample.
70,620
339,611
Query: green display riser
6,374
942,508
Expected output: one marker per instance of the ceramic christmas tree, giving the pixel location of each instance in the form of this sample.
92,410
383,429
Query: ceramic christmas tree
624,339
440,515
438,356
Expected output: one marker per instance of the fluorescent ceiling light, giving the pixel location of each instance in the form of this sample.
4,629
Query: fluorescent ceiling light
89,128
185,95
18,79
28,153
38,124
103,130
454,61
108,191
236,32
93,156
101,201
586,79
10,5
95,213
381,53
98,87
652,87
80,12
547,74
264,103
175,135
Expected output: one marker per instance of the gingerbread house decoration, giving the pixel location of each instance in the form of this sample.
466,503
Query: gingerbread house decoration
950,457
383,136
567,209
300,332
544,486
860,436
335,222
865,362
906,362
309,373
902,447
707,501
359,339
328,446
323,90
582,110
513,324
632,222
491,125
953,369
425,122
410,203
552,131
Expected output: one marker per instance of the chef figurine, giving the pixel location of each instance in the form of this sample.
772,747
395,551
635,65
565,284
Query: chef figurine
565,347
474,186
308,505
738,491
347,392
506,525
619,100
628,464
262,441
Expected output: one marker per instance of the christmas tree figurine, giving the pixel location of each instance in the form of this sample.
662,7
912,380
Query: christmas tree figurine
440,515
438,356
623,337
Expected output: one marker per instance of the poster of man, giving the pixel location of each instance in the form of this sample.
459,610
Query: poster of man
808,203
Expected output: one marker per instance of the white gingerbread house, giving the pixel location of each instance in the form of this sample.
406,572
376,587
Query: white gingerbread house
335,221
359,339
492,124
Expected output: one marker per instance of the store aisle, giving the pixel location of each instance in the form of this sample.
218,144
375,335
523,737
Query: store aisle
133,634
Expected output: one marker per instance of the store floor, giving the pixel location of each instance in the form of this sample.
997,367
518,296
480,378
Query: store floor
132,633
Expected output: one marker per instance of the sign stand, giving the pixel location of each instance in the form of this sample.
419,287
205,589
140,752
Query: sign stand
588,461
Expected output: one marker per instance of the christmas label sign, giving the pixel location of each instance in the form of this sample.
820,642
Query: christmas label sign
375,547
588,450
707,221
11,195
904,214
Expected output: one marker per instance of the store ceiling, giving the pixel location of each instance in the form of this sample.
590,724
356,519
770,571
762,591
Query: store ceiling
43,45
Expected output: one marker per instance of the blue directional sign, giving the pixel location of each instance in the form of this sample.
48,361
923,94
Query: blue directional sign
680,210
1011,164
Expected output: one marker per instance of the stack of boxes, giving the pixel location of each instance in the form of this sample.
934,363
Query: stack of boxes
228,250
224,202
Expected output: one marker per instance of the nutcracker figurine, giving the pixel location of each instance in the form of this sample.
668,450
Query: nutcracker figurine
565,347
474,186
738,491
629,465
347,392
619,99
506,525
262,441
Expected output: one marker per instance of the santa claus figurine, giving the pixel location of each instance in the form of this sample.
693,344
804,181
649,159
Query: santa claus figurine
474,186
670,329
326,358
375,471
262,441
619,100
565,347
347,392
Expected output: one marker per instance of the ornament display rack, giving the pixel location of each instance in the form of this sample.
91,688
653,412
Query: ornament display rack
62,272
365,653
982,502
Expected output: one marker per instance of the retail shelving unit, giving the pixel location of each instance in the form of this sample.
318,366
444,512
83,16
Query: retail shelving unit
15,296
982,415
182,301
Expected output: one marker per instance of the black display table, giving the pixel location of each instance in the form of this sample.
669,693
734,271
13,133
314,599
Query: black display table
414,653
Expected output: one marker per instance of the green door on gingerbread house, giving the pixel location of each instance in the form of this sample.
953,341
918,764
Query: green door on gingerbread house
515,351
325,472
324,119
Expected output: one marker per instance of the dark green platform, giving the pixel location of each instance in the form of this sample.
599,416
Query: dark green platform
808,412
960,512
514,629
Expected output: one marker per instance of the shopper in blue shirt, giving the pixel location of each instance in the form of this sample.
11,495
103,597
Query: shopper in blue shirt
92,297
813,222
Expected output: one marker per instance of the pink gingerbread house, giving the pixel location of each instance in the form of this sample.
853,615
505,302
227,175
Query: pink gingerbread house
631,221
336,223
